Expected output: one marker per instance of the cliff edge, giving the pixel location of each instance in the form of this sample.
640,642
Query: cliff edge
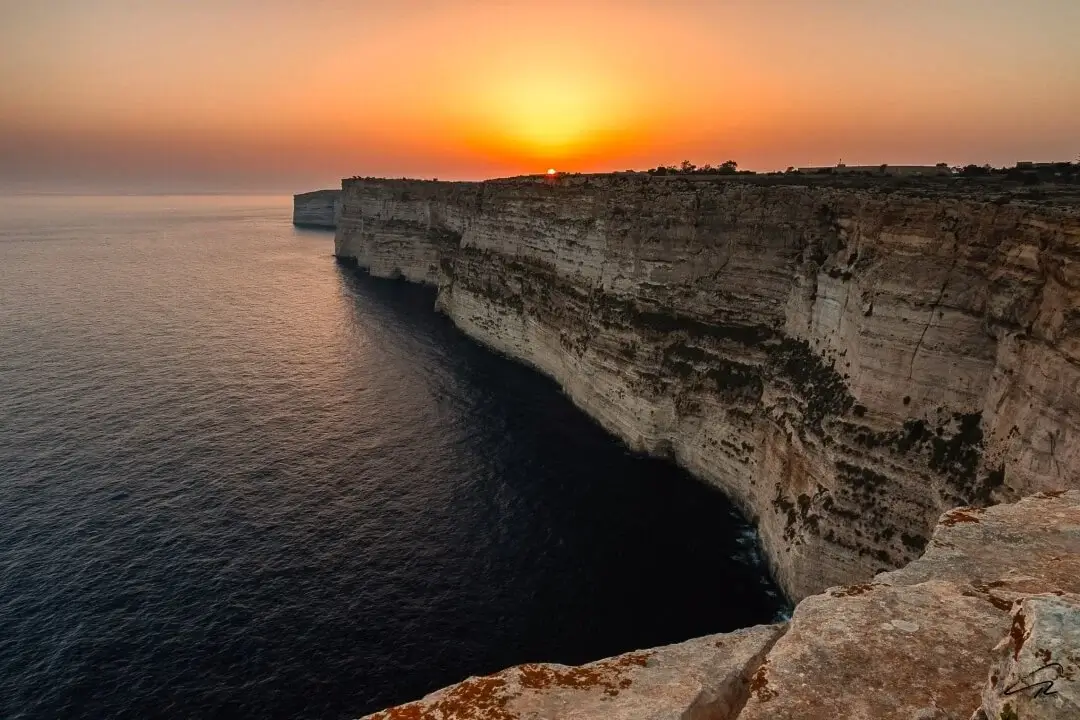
986,625
846,362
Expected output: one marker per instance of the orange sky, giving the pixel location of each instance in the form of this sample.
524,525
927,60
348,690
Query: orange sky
248,94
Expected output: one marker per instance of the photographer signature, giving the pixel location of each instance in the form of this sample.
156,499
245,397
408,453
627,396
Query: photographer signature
1043,687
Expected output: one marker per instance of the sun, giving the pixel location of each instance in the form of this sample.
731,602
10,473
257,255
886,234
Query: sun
547,112
551,171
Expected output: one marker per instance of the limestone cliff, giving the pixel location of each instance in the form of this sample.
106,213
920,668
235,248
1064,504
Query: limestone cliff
986,625
319,208
846,363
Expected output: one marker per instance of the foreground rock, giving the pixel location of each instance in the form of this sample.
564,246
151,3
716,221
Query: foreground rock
920,642
986,625
845,363
1005,552
318,209
706,678
873,651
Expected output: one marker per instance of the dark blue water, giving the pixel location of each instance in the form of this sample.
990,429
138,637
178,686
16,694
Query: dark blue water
238,480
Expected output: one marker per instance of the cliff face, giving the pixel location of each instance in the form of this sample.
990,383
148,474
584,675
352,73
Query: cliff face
320,208
846,364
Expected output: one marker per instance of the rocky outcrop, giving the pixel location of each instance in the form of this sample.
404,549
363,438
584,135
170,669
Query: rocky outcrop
845,363
318,209
925,641
704,678
964,632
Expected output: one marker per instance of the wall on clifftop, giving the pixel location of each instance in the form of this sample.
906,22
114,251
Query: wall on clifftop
845,364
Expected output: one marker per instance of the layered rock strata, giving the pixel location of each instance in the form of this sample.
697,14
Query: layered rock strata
318,209
965,632
845,363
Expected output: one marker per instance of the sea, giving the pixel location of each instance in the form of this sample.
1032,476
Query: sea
240,480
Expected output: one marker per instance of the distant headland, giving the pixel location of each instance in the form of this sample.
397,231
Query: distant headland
317,209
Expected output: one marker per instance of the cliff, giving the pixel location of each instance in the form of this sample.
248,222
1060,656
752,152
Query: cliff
844,359
319,208
986,625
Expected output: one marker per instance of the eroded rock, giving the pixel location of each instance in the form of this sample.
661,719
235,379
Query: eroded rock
702,679
1006,551
871,651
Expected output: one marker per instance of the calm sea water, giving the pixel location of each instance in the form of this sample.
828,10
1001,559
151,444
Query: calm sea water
239,480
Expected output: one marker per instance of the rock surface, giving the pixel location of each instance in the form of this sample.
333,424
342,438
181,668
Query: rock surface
865,652
1005,552
706,678
920,642
845,363
320,208
952,639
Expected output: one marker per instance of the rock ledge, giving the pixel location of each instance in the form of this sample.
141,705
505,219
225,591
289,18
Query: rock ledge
985,625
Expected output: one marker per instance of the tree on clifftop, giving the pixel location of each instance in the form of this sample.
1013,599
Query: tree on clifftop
729,166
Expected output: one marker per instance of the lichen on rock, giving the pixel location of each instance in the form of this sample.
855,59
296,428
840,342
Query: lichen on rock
702,679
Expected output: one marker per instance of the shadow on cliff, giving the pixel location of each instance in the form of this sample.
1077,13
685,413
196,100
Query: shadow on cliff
306,230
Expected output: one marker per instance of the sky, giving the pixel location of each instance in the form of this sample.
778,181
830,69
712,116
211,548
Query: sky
277,95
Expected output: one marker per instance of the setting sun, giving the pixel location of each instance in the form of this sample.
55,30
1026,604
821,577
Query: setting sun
554,111
551,171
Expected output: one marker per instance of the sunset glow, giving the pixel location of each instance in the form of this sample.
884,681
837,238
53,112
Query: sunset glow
279,94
